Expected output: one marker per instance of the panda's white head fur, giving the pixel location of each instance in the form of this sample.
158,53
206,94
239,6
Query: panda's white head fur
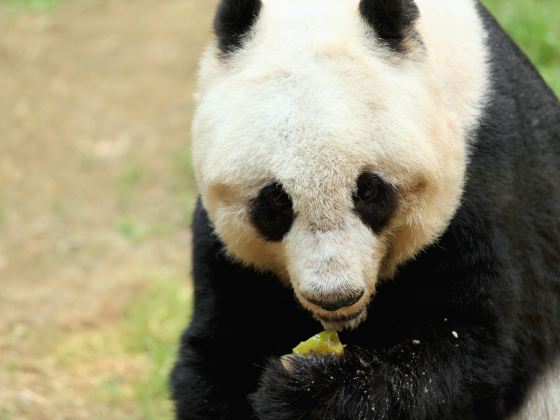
330,137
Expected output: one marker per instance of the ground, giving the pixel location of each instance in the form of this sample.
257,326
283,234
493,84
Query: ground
96,192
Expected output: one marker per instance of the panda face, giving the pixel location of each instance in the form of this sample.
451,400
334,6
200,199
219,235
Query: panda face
327,154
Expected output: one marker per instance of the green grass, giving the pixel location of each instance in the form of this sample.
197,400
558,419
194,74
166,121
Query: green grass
32,4
152,327
534,25
148,335
131,177
2,213
133,230
129,186
183,184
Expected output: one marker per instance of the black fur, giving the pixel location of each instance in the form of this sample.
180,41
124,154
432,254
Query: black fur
375,201
392,20
462,331
272,212
233,20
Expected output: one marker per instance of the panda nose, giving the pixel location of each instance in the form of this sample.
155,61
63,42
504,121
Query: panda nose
330,304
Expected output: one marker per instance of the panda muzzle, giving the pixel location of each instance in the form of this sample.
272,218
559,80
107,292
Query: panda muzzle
335,303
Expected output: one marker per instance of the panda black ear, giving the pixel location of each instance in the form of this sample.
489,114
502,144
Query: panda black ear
233,20
392,20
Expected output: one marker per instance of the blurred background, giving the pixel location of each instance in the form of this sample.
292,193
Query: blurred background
96,194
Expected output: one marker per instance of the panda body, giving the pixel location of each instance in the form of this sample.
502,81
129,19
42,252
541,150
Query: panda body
392,170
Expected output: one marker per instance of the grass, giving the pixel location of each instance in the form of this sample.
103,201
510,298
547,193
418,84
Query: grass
183,184
153,327
133,230
121,368
2,211
533,24
130,178
32,4
141,347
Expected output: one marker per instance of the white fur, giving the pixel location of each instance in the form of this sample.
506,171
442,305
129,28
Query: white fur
544,401
312,100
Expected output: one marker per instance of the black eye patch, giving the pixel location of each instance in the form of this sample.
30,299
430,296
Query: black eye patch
374,201
272,212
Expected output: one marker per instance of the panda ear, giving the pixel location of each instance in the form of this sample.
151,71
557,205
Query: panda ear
233,20
392,20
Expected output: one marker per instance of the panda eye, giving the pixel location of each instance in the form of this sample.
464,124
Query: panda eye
272,212
368,186
374,201
278,199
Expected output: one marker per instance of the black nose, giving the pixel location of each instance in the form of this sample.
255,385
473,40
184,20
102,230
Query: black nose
332,304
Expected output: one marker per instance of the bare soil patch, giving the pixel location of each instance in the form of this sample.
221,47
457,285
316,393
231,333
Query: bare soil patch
95,186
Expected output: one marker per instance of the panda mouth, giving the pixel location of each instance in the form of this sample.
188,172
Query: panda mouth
343,322
341,318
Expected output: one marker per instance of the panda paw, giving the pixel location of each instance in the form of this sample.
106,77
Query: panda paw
319,387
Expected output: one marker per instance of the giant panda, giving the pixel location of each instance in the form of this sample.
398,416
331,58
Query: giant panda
389,169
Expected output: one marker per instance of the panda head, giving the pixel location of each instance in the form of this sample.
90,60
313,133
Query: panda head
326,146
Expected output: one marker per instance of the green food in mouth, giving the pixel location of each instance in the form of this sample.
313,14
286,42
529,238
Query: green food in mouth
323,344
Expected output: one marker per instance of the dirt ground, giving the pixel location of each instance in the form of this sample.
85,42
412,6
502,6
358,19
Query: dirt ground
95,185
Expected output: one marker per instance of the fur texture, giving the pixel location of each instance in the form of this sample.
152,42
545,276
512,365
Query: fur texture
467,329
313,100
233,22
392,20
